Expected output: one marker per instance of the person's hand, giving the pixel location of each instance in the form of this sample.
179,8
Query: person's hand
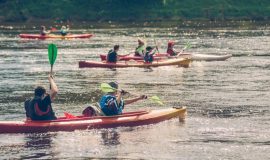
123,92
143,97
50,76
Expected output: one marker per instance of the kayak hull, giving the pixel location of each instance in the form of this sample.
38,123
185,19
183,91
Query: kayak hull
184,62
54,36
159,56
128,119
205,57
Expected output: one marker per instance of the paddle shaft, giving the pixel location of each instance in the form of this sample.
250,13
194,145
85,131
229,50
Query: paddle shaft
156,45
52,63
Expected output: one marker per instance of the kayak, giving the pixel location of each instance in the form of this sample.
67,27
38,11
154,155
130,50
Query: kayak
39,36
184,62
127,119
159,56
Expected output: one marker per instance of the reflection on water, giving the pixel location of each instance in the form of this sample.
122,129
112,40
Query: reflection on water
41,143
110,137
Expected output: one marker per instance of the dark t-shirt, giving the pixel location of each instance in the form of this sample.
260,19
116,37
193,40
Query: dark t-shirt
39,109
112,56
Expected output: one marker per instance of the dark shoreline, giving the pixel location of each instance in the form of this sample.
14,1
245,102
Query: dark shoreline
196,24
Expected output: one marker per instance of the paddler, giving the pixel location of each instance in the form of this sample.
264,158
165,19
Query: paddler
64,30
40,107
139,51
112,54
170,50
112,103
43,31
149,55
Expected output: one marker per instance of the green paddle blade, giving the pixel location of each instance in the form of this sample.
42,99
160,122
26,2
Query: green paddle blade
187,46
52,53
156,99
106,88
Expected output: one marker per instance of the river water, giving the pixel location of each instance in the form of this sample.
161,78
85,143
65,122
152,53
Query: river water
227,101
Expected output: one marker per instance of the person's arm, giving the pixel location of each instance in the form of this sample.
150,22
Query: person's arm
129,101
153,51
54,88
119,95
47,32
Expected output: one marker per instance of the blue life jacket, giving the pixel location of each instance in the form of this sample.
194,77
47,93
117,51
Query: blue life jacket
148,57
109,105
112,56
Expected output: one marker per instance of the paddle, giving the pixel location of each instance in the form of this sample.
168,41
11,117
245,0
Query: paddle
106,88
156,45
187,46
52,54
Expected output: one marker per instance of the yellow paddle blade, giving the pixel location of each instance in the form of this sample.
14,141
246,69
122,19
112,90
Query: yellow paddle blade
156,99
106,88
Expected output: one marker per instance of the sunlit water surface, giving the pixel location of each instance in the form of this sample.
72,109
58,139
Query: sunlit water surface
227,101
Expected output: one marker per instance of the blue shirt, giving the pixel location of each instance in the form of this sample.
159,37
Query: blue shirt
109,105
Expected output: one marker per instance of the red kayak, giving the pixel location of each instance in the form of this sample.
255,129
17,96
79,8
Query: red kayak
184,62
83,123
159,56
54,36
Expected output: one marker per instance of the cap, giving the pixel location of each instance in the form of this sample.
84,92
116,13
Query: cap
113,85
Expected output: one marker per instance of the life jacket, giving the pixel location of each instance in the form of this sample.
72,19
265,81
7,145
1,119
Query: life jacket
35,112
148,57
171,51
112,56
139,50
109,105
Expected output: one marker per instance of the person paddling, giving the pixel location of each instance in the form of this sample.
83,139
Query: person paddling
64,30
139,51
170,50
113,103
40,107
149,55
112,54
43,31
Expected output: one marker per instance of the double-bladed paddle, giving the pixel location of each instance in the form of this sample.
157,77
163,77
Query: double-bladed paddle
187,46
106,88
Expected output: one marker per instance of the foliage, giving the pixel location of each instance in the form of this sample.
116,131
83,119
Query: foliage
133,10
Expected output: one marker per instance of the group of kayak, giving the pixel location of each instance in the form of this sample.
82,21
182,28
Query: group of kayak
63,33
147,56
108,112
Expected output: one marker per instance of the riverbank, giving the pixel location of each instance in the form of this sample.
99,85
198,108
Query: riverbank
198,24
130,11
